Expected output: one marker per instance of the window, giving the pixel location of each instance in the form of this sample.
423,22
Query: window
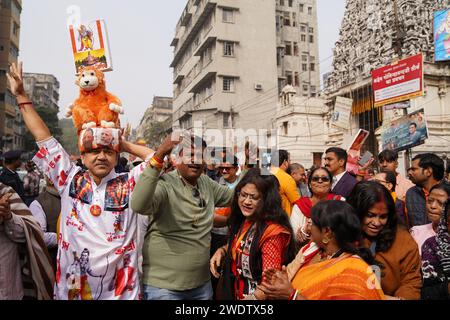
280,55
15,29
311,39
285,128
14,51
301,7
228,49
279,22
295,49
303,29
312,66
305,87
287,19
303,37
10,123
304,58
288,49
228,84
296,80
289,77
294,19
227,120
311,30
312,58
9,98
281,2
290,3
227,15
313,88
310,10
15,9
304,67
186,122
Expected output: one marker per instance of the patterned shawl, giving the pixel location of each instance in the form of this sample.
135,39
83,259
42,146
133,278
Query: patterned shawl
443,242
436,252
37,271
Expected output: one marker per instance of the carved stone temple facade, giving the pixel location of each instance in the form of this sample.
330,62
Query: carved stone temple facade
373,34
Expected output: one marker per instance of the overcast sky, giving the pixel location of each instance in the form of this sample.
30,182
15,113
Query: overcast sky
140,33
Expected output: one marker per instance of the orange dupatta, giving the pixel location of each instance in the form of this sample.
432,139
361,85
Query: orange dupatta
345,278
271,230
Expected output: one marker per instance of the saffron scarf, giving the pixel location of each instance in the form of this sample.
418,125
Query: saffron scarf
344,278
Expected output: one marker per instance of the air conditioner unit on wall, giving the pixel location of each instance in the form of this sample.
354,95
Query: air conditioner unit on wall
258,86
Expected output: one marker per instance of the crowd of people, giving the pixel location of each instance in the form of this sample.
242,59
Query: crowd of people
174,227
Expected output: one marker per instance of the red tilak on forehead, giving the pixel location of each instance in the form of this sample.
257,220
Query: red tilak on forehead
380,205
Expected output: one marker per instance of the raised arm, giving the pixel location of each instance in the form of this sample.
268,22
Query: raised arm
147,194
32,120
136,150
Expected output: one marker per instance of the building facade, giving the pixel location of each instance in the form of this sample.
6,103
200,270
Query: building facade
374,33
302,126
232,58
159,112
43,89
11,123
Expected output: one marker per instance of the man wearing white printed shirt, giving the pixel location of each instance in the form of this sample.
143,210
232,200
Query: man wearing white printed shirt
95,211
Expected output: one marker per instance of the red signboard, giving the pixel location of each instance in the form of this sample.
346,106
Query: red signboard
398,81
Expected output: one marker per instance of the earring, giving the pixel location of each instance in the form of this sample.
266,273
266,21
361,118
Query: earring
325,240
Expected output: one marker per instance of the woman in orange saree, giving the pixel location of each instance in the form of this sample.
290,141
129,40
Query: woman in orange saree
345,275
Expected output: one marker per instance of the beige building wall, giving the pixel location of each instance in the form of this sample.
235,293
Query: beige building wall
230,61
43,89
11,124
302,124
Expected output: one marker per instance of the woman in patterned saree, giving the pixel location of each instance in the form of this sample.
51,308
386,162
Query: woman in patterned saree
436,261
260,238
345,275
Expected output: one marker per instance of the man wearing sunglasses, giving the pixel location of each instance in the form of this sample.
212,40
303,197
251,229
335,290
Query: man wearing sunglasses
180,206
228,170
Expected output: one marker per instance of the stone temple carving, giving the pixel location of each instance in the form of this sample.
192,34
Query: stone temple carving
370,31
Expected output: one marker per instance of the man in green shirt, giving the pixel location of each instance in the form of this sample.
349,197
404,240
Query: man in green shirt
180,206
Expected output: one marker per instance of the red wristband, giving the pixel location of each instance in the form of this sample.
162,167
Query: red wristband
22,104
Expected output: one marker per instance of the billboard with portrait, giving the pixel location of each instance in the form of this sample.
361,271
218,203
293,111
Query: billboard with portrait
406,132
442,35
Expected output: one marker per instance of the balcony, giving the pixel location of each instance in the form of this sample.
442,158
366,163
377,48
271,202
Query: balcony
174,42
197,23
206,43
178,79
185,19
10,110
203,81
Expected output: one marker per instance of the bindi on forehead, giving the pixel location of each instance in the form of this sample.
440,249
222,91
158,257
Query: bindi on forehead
380,206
